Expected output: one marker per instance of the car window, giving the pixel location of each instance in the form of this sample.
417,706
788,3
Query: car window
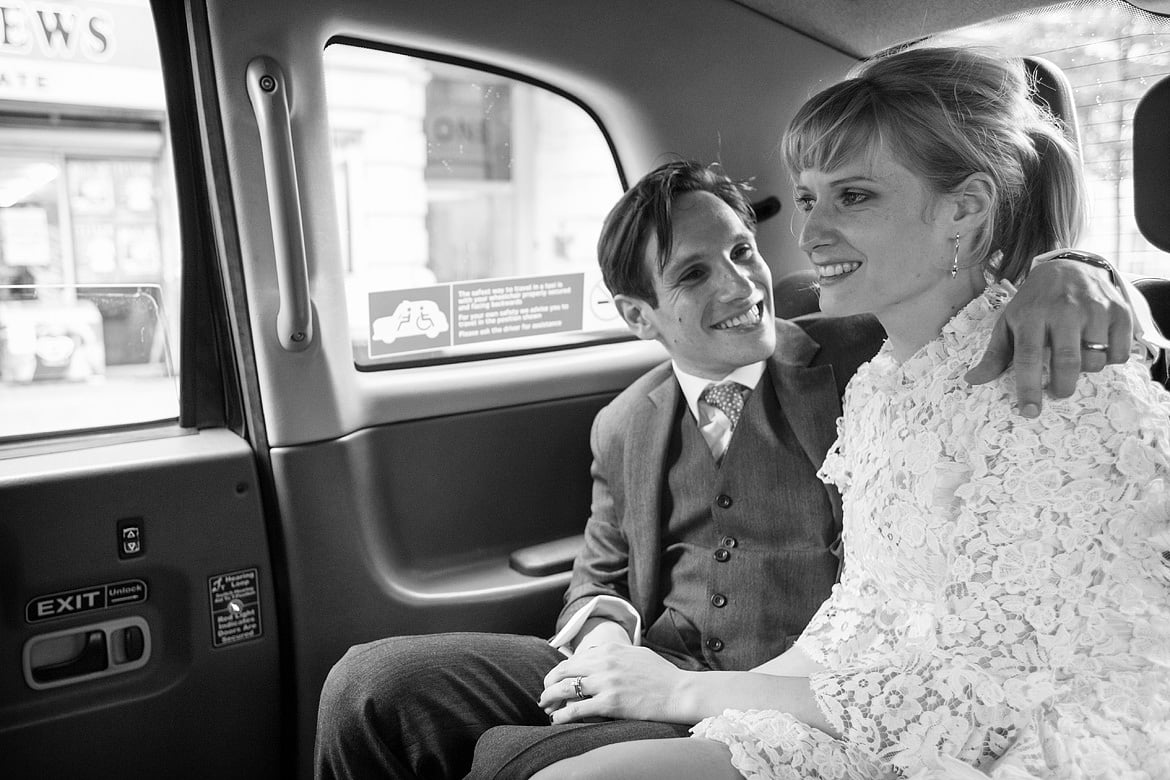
469,204
89,261
1111,55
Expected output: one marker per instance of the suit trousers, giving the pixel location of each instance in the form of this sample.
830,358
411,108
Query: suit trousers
415,707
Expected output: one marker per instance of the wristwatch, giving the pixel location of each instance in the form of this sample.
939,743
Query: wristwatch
1084,257
1145,328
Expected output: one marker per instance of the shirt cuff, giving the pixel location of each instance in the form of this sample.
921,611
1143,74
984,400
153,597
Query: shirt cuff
611,607
1145,331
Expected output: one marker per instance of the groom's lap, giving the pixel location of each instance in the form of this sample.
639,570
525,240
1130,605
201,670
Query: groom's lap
417,704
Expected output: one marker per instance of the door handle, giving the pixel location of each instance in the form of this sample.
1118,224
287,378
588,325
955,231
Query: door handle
268,92
92,658
89,652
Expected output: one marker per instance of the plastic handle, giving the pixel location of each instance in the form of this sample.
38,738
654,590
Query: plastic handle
92,658
269,95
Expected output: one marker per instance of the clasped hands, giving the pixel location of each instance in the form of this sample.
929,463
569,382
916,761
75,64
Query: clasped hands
617,680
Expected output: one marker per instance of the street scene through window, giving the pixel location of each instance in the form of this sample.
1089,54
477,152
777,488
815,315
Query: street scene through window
89,262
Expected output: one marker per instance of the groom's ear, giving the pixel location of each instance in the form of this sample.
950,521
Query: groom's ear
635,313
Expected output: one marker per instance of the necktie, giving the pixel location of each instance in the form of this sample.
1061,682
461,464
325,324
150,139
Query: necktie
727,397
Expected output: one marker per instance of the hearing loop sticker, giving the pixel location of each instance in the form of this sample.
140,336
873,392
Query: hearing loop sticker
235,607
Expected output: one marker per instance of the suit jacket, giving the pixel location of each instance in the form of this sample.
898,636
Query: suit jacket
814,359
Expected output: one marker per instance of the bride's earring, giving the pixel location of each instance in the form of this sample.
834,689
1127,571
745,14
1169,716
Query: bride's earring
955,262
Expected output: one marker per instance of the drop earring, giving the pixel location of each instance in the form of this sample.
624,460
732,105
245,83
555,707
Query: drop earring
955,262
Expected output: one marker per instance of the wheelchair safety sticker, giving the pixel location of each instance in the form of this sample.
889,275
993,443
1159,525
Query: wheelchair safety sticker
450,315
235,607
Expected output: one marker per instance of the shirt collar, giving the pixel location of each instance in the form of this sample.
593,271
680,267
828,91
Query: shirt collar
693,386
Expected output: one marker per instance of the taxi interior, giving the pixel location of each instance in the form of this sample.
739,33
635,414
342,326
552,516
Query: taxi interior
173,591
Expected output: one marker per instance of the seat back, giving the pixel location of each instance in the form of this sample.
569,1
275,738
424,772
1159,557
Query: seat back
1151,197
1055,92
1157,294
1151,165
796,294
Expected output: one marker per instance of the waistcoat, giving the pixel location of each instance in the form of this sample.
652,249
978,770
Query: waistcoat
746,547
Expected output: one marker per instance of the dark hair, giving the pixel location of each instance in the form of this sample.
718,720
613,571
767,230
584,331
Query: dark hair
945,113
647,207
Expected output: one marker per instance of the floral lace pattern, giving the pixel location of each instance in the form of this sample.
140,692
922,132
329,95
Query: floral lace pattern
1005,604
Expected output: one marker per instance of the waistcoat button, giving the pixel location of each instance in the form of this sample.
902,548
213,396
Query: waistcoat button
714,644
723,501
722,554
718,600
730,541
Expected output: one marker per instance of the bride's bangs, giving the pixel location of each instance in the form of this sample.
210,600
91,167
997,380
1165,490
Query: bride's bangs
838,126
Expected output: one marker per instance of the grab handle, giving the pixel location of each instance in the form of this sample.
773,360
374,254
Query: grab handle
269,95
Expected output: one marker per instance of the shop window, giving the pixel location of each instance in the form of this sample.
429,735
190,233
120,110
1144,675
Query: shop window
89,257
470,205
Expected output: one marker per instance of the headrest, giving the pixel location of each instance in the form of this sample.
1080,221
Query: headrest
1054,90
1151,165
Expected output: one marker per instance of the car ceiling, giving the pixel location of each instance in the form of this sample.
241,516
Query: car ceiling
864,27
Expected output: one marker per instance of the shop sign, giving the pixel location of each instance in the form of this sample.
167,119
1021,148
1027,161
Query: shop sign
48,53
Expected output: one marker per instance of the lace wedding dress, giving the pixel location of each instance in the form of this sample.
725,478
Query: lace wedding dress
1005,603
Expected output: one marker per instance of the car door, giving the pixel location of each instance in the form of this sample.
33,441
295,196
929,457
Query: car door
140,632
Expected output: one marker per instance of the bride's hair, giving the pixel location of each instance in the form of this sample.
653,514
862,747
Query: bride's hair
945,113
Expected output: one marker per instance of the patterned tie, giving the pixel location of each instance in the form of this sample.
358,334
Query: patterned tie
727,397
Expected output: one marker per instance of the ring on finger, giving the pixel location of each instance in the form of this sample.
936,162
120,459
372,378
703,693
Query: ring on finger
1094,346
577,691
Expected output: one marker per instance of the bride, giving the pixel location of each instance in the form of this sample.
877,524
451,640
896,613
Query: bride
1004,609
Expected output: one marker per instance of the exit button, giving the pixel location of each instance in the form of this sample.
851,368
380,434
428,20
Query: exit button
131,543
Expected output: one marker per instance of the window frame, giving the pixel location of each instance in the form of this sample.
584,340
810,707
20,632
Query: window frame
475,352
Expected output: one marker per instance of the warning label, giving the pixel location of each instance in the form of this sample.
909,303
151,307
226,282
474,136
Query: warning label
235,607
473,312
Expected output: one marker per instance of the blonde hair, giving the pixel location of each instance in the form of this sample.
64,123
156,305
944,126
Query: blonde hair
946,113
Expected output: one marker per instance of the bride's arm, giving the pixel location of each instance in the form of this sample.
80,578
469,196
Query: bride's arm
710,693
793,662
635,683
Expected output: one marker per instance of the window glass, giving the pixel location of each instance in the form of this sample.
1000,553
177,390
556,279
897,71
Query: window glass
1112,53
470,205
89,261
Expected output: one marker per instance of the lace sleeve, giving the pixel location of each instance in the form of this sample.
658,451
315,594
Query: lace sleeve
1056,599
